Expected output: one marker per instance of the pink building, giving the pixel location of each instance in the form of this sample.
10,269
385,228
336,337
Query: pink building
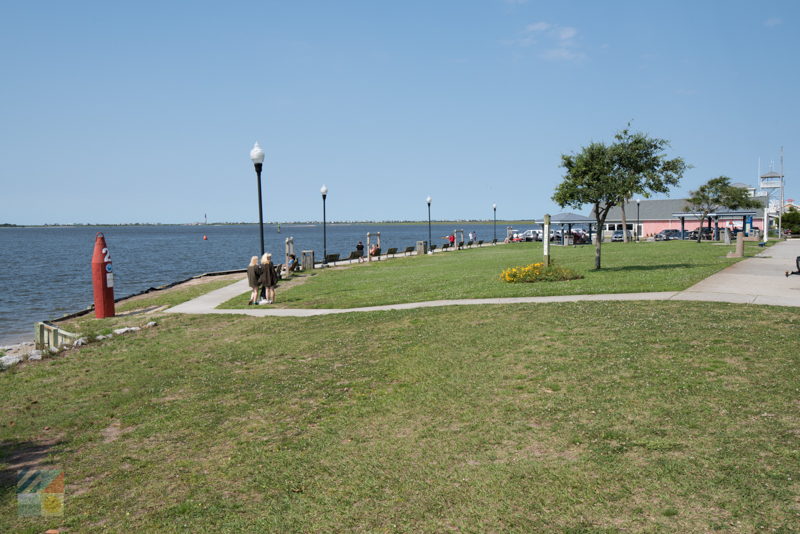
649,216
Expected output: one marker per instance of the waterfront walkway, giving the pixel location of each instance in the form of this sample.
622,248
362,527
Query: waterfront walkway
759,280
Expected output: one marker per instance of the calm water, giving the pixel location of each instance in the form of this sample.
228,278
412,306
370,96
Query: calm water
46,272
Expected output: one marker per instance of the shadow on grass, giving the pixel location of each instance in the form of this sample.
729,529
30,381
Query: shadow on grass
21,455
651,267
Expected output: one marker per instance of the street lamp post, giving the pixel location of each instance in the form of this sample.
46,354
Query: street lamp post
428,200
257,155
324,191
637,219
494,209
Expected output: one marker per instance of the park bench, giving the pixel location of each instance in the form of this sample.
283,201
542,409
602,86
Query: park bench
469,244
433,247
445,246
408,249
354,255
391,252
480,243
330,258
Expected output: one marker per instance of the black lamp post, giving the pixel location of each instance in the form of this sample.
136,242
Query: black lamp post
257,155
428,200
494,209
324,191
637,219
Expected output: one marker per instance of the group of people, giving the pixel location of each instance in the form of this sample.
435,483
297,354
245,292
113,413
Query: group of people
472,236
374,250
263,277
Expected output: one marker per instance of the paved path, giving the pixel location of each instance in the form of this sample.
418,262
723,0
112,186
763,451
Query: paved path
758,280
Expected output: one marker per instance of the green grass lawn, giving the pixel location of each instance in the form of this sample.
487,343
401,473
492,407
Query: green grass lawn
574,417
475,273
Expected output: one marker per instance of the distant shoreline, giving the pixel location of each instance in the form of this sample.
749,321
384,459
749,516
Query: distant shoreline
287,224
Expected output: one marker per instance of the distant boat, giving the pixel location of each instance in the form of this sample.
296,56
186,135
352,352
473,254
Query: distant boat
279,228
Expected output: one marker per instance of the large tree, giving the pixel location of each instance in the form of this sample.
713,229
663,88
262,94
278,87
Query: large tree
715,194
603,176
642,168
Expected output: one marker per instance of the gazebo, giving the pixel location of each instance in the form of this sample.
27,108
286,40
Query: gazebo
720,214
568,220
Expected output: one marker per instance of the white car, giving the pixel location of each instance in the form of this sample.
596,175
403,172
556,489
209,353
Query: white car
531,235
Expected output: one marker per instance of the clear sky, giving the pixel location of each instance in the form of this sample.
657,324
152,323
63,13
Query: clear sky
144,111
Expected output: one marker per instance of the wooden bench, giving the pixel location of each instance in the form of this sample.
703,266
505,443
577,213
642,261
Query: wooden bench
330,258
408,249
433,247
445,246
469,244
355,254
391,252
480,243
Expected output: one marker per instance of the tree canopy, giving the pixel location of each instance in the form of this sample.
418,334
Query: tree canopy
715,194
604,176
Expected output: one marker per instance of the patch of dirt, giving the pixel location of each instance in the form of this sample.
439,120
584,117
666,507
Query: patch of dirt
113,431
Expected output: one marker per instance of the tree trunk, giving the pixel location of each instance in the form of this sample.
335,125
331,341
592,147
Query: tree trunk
700,228
601,219
624,221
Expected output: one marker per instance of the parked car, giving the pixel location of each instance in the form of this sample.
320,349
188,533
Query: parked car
668,234
531,235
705,233
617,236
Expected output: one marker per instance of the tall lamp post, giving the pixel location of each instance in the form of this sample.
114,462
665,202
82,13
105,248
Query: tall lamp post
428,200
324,191
637,218
494,209
257,155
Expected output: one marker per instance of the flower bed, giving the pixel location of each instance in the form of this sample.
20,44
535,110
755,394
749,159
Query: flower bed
537,272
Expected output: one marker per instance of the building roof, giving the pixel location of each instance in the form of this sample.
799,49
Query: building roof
663,209
649,209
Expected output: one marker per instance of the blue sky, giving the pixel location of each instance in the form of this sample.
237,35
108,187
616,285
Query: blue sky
146,111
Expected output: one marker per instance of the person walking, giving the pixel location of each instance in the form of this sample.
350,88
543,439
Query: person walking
360,250
253,275
268,279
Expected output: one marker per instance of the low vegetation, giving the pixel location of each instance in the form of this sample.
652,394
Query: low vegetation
538,272
520,418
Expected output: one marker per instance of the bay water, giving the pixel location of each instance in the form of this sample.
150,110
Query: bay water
45,272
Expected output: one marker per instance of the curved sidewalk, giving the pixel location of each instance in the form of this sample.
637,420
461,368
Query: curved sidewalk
759,280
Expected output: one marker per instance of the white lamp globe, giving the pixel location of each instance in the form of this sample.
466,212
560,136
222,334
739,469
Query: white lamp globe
428,200
323,190
257,153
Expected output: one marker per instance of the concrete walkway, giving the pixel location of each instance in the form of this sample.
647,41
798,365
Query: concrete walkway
759,280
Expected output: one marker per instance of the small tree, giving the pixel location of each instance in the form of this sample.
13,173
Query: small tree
790,220
604,176
715,194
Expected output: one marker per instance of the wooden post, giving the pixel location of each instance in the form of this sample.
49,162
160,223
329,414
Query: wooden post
546,240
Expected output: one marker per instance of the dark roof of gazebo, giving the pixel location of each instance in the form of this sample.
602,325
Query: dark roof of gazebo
566,218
